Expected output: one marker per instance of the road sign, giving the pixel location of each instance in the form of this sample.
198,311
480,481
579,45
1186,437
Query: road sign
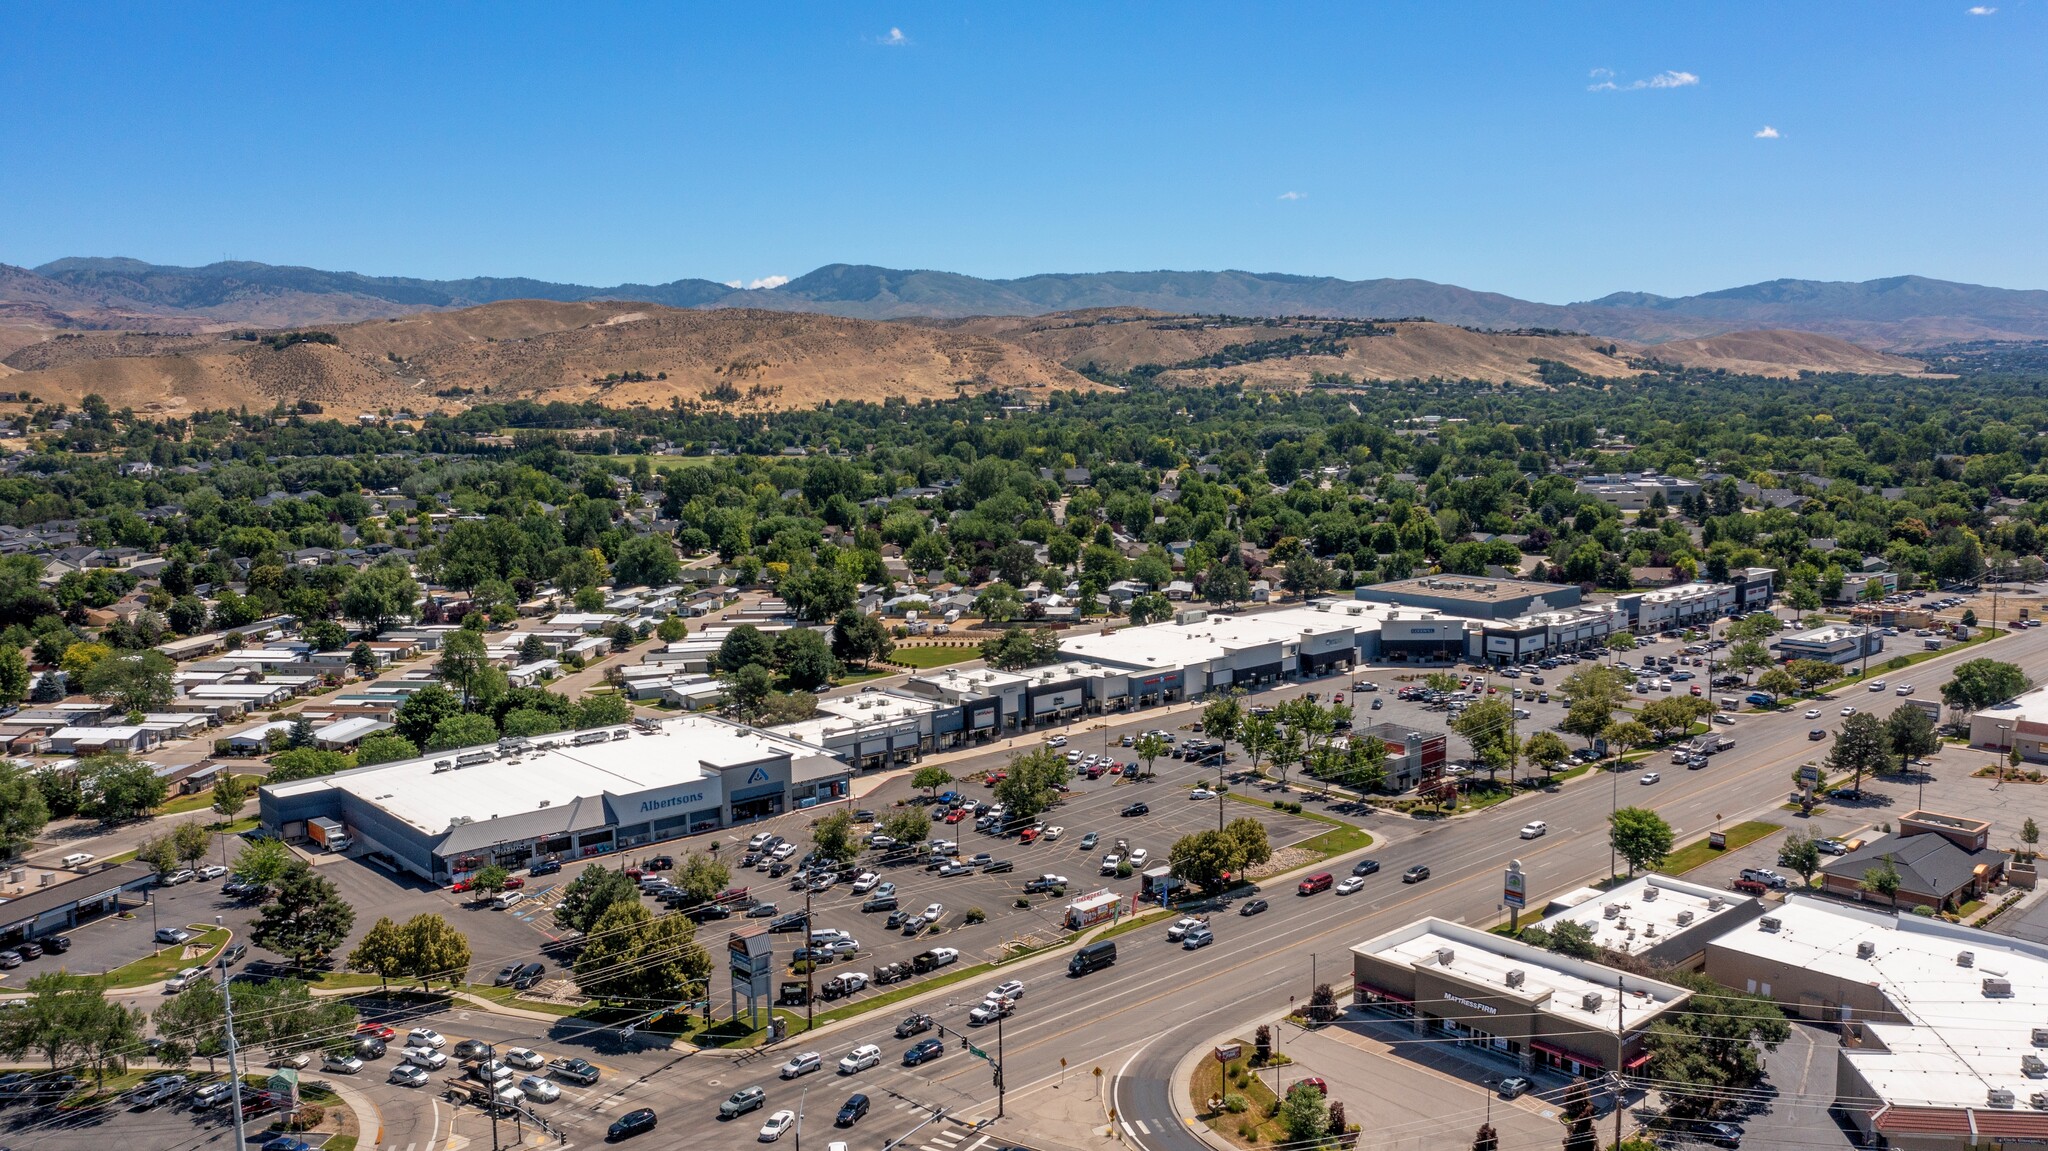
1515,888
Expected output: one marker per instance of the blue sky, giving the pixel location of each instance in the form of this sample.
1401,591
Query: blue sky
1551,151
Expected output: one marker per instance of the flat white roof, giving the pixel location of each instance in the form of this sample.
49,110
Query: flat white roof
1828,634
2029,708
1193,644
1554,984
554,772
1960,1042
1642,921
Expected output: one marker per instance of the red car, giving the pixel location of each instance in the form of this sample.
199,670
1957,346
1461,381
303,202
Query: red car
512,881
378,1030
459,886
1316,1081
956,815
995,777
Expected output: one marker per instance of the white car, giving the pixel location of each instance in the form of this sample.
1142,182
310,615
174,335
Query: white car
1054,832
1848,711
508,1095
1056,741
783,851
1813,713
860,1059
840,948
409,1075
524,1058
1350,884
1535,828
1009,989
540,1090
777,1123
1876,685
932,912
1181,927
1650,777
803,1064
1138,856
425,1037
215,870
1905,689
990,1010
1201,793
877,839
426,1057
866,882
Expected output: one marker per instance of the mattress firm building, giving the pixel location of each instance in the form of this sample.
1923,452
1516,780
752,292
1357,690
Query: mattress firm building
570,795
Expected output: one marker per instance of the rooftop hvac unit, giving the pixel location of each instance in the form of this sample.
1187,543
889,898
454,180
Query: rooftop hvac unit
1770,923
1611,911
1866,949
1966,959
1650,930
1716,903
1997,987
1517,977
2039,1099
1444,955
1649,893
1592,1000
1998,1097
2041,1036
2032,1065
1684,918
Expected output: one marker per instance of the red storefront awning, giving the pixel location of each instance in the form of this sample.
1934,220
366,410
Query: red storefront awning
1562,1053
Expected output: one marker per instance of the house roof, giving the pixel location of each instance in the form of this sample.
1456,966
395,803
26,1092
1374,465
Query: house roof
1926,863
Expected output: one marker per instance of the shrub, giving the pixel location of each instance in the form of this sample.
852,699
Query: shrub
1923,910
1235,1104
1023,902
802,967
308,1116
976,915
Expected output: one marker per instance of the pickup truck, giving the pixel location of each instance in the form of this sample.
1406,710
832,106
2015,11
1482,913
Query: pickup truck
576,1071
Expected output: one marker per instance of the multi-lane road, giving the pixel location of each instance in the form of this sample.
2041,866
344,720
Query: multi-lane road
1135,1021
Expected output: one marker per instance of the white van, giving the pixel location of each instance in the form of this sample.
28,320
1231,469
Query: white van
509,899
76,859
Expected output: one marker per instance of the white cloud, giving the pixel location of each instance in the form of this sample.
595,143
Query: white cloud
1767,133
895,39
1603,81
1982,10
734,284
1294,195
766,282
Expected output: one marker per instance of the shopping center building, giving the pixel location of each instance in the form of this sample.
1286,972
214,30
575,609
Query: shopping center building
567,795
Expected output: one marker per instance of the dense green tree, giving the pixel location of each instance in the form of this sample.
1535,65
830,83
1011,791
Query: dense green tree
646,560
591,894
858,637
384,747
461,731
1859,747
22,810
1640,836
306,918
805,659
1980,683
121,788
633,958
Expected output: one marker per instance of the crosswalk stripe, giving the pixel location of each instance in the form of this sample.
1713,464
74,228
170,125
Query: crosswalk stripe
977,1145
1142,1129
952,1136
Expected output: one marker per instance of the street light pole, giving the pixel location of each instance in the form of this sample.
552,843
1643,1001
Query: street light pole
810,966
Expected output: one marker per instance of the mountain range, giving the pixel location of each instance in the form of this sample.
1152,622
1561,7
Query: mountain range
1901,312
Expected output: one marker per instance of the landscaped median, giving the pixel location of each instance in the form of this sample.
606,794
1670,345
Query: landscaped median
152,968
1701,850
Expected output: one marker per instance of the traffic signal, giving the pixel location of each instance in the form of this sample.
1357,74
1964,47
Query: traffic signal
964,1045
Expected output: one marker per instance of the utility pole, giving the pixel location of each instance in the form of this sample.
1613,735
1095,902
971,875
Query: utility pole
227,1000
1001,1090
810,966
490,1086
1620,1039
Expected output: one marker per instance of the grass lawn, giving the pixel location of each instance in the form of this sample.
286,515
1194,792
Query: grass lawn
1341,838
151,968
1700,850
853,677
925,657
509,996
1134,922
1571,773
334,980
1248,1129
197,801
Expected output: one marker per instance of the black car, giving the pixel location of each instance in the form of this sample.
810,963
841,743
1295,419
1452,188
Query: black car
896,918
1136,809
57,944
1365,867
545,867
794,921
1415,874
659,863
923,1051
851,1111
1252,907
630,1124
709,911
30,950
370,1047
